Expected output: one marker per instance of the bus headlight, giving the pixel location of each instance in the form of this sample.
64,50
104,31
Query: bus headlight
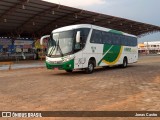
67,58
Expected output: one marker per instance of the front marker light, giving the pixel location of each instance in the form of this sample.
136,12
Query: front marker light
72,56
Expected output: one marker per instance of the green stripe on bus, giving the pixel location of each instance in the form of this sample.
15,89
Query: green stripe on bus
116,32
106,48
111,54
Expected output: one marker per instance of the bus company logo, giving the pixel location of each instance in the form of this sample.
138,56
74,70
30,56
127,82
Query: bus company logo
127,49
6,114
93,49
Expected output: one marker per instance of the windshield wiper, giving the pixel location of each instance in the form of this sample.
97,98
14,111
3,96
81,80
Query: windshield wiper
60,49
57,47
53,48
51,52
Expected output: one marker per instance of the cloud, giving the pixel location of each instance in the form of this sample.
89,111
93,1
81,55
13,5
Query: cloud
78,3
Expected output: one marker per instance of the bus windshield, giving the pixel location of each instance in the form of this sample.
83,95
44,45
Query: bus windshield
64,43
61,43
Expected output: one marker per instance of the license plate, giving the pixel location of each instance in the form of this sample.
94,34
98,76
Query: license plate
56,68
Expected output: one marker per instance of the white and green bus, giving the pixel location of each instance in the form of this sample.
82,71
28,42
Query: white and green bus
86,46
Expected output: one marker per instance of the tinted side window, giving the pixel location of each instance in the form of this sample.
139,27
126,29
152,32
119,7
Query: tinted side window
123,40
106,38
96,36
84,34
103,37
129,41
116,39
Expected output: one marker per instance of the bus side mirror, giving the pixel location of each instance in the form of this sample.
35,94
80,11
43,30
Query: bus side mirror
42,38
78,39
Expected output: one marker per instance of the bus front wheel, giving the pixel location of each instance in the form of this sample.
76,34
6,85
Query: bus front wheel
90,67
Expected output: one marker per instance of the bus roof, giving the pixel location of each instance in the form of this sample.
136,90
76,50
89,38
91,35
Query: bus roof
90,26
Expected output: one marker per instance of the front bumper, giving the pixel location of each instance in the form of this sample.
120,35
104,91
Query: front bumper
69,65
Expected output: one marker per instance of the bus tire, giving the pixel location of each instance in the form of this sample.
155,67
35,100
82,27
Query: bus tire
125,63
90,67
69,71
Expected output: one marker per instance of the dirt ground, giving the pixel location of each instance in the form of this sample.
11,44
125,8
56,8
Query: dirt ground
135,88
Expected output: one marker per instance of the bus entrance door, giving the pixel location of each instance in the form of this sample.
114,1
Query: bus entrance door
78,60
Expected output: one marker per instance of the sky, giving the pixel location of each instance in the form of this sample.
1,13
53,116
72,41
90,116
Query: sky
146,11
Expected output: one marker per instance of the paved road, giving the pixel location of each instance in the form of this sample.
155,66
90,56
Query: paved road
134,88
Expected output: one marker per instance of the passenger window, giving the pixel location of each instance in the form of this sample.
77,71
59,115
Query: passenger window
103,37
106,38
115,40
84,34
96,36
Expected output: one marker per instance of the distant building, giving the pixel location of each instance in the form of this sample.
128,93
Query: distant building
149,47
